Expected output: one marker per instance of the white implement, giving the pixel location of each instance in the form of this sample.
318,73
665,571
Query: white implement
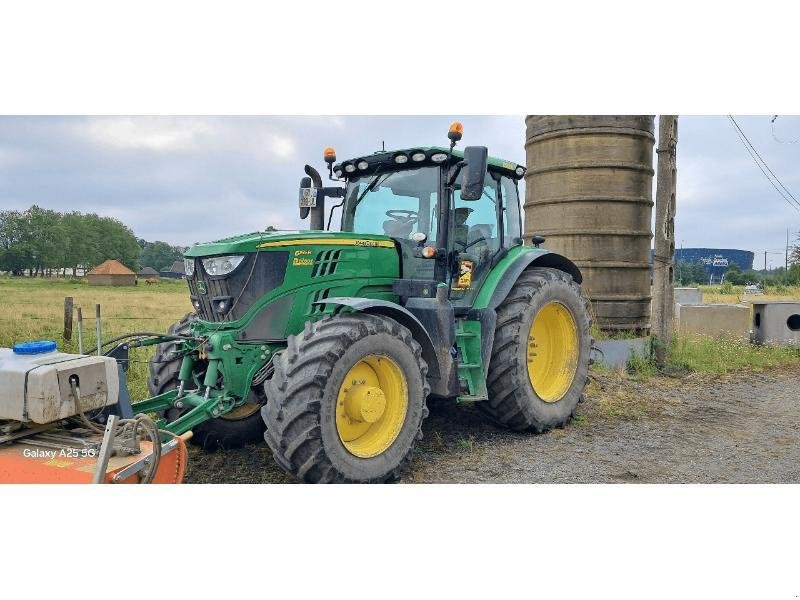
37,387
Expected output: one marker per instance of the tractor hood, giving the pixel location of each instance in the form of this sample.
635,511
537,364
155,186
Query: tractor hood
264,240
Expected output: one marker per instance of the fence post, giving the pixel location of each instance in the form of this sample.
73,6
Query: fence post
80,331
68,318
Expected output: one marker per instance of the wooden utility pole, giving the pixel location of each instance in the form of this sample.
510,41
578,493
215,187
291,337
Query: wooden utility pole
663,313
786,265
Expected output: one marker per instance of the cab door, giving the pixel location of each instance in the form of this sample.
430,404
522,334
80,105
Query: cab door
474,239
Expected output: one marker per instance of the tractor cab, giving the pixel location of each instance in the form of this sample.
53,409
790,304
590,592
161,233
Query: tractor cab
452,214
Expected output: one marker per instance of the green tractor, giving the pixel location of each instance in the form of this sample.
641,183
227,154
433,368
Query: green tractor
328,344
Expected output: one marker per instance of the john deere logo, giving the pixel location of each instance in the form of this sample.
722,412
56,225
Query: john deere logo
201,287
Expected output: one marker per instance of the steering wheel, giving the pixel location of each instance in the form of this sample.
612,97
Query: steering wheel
466,246
406,217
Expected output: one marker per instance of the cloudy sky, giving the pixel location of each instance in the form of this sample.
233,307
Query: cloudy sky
189,179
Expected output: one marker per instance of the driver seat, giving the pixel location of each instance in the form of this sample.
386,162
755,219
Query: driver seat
397,229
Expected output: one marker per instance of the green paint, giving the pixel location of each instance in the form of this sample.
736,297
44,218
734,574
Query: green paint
364,271
470,366
497,274
249,242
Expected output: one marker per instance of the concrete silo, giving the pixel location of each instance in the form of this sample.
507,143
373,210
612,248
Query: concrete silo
589,191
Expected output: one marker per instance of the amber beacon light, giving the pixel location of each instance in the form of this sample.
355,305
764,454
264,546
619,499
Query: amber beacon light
456,132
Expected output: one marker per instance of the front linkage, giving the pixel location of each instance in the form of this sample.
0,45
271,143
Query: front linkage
231,368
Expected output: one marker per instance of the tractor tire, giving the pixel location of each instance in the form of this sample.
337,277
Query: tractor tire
347,400
241,426
540,357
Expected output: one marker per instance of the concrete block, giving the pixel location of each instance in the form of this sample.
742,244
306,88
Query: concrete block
715,320
776,323
688,295
616,353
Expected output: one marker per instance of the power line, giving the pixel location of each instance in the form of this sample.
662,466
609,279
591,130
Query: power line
765,163
777,139
794,203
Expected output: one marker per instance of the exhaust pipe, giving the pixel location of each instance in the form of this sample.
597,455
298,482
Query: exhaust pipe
312,198
317,208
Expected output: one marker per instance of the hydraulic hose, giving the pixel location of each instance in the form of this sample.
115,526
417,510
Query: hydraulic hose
140,334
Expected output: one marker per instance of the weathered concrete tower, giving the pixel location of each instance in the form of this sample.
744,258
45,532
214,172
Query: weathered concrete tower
589,191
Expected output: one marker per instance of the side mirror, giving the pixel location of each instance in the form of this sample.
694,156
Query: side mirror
308,197
477,158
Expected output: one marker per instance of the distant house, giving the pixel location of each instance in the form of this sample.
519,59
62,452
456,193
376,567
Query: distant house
111,272
176,271
148,274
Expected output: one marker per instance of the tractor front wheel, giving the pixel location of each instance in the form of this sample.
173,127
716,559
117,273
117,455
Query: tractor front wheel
347,400
540,356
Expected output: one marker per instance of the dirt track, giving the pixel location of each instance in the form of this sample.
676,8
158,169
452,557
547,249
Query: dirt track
742,428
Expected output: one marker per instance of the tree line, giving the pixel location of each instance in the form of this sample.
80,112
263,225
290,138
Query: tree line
776,277
159,255
43,242
695,274
687,273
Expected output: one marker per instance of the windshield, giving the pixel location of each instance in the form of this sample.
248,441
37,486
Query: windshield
393,203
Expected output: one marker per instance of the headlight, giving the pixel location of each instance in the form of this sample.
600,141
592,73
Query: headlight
188,266
439,157
222,265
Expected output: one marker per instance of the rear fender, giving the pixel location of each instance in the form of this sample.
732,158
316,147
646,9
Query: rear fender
499,283
512,271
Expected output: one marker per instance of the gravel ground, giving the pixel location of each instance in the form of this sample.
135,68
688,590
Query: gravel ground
742,428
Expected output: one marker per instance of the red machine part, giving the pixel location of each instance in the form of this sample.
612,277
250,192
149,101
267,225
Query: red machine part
25,463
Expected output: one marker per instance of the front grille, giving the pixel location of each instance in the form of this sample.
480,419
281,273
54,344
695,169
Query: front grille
267,274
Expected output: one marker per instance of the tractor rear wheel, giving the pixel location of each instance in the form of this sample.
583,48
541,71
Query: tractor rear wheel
241,426
540,357
347,400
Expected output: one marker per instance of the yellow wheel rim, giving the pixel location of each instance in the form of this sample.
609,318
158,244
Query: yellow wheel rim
242,412
552,351
371,406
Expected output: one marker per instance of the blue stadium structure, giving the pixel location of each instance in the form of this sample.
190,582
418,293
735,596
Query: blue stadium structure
716,260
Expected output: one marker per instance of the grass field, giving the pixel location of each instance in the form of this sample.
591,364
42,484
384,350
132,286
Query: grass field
33,309
707,355
714,294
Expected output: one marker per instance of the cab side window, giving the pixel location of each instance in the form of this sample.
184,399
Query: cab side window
475,237
475,221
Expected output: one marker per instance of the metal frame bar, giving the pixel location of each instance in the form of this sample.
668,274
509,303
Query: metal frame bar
143,463
106,449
